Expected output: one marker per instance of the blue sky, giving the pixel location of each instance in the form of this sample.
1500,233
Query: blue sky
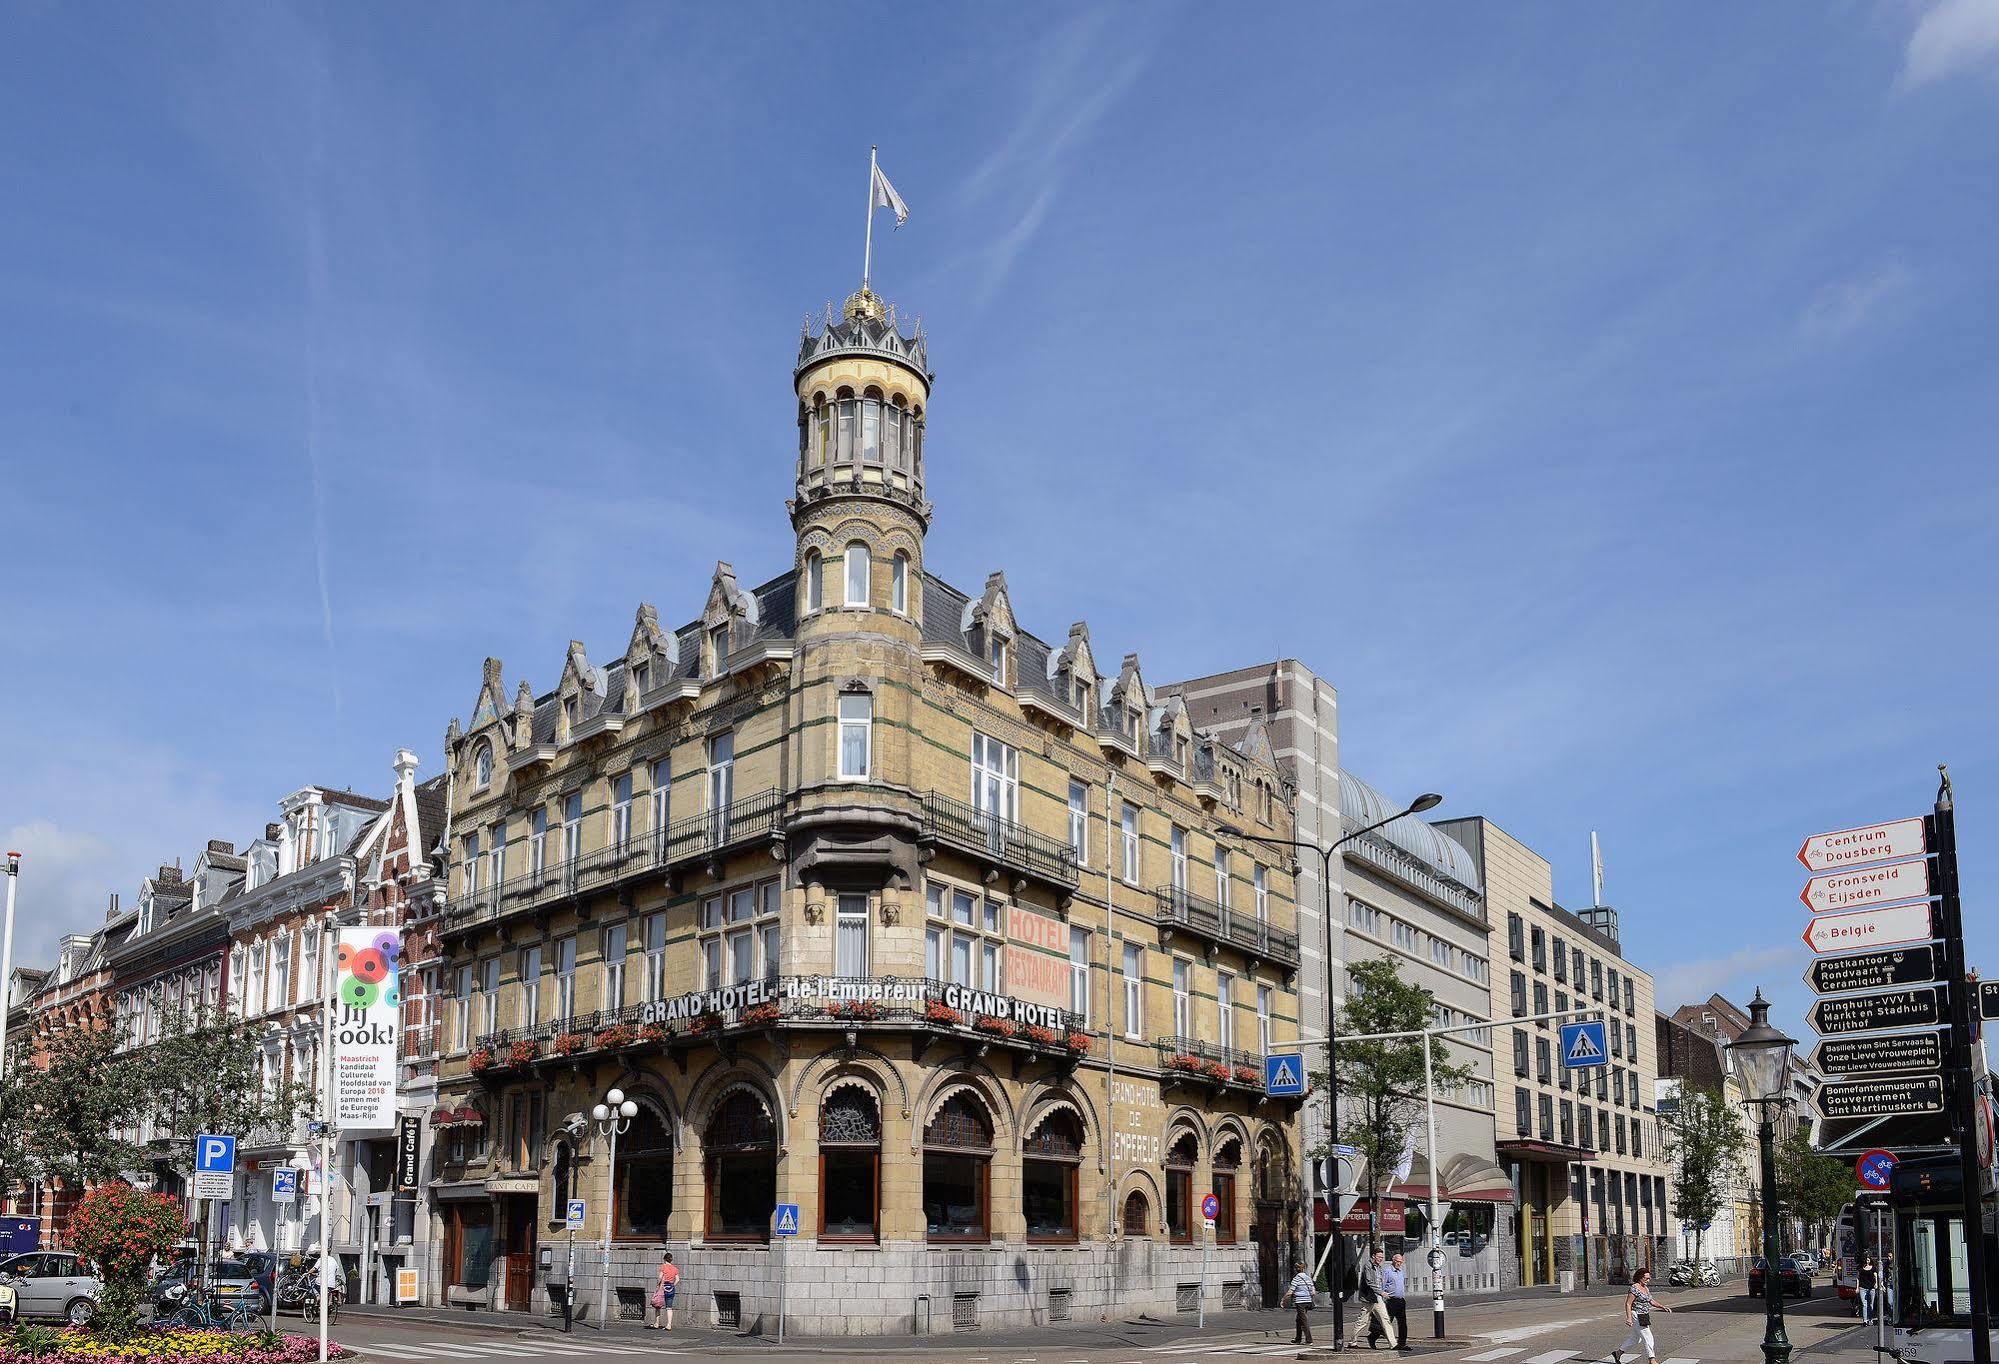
1602,397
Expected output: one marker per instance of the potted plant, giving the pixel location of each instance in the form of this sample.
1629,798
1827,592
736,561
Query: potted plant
1248,1075
1042,1037
1077,1041
652,1032
1215,1070
760,1015
1186,1062
998,1027
568,1044
705,1024
617,1035
938,1012
856,1010
481,1059
521,1052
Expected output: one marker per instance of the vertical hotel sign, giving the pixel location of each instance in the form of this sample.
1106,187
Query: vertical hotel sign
367,1023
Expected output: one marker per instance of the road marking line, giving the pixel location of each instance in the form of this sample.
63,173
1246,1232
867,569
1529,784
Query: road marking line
1513,1334
1683,1361
1551,1357
395,1351
1489,1355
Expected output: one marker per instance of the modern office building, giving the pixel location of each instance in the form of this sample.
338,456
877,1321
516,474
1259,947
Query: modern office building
1590,1185
877,908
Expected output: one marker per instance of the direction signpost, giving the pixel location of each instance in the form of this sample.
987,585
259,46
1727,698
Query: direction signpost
1874,970
1919,1008
1872,888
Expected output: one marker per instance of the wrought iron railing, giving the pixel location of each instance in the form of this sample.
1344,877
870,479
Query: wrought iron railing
685,840
1181,908
987,835
1200,1059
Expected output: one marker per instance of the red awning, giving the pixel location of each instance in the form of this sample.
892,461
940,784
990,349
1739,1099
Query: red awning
471,1117
443,1117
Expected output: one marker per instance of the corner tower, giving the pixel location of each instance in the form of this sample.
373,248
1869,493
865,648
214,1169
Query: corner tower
863,388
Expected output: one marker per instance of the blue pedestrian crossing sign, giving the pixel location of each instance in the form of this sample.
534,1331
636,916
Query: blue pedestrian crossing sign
787,1219
1583,1045
1284,1074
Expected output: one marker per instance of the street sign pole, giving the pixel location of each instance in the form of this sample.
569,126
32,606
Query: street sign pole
1943,837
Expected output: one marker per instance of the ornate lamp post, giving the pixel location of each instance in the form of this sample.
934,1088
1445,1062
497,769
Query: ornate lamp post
1761,1058
612,1117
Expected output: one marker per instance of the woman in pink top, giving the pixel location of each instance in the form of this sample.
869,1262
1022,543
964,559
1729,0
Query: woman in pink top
662,1293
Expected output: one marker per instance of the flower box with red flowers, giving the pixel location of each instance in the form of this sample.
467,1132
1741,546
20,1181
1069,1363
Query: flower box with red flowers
652,1032
760,1015
568,1044
1184,1062
998,1027
705,1024
481,1059
1042,1037
617,1035
934,1012
1077,1041
520,1053
1248,1075
1215,1070
856,1010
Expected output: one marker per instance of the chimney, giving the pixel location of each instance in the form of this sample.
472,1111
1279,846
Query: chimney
169,876
406,764
274,832
222,846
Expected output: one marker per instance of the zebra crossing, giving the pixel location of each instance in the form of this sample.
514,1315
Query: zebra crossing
449,1349
1512,1354
1507,1352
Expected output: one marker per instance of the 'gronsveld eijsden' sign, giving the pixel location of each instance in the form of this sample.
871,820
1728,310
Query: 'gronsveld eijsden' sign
1873,970
1859,887
1889,926
1874,843
887,991
1884,1055
1865,1013
1880,1098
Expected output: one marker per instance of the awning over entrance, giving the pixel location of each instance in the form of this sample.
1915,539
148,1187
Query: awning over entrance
1551,1152
1465,1179
460,1190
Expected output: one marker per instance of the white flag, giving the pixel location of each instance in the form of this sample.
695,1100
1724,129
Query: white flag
886,197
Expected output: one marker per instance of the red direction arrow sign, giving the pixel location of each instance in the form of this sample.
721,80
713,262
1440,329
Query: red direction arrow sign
1862,886
1870,928
1874,843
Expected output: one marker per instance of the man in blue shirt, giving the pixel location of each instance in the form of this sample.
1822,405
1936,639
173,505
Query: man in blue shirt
1395,1289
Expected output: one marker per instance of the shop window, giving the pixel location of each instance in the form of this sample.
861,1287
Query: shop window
957,1171
645,1175
741,1144
1048,1174
850,1140
1181,1158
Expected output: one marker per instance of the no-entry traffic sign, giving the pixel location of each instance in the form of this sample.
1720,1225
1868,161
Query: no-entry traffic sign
1873,843
1889,927
1859,887
1918,1008
1875,1169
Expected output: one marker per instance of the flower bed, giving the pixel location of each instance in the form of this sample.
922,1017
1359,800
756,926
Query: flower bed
172,1347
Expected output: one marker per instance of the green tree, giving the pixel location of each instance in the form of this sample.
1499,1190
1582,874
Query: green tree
1812,1186
77,1107
1381,1083
17,1161
122,1230
204,1075
1708,1147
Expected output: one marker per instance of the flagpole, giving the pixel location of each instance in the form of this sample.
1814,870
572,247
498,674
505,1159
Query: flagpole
868,251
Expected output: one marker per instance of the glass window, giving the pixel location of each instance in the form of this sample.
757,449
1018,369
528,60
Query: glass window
857,575
1048,1169
1519,1052
662,794
572,828
721,782
615,939
621,811
1079,822
1128,825
654,988
892,436
1178,840
1222,877
957,1156
485,763
1561,958
898,584
1183,997
871,424
1079,973
995,777
1263,1039
823,422
1260,882
645,1176
850,1136
815,581
530,974
741,1149
857,714
850,942
1181,1158
499,853
565,980
739,935
1225,1010
844,451
1134,985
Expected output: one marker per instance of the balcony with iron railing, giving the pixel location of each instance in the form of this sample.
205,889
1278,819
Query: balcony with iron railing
1197,1060
1011,846
1179,909
683,841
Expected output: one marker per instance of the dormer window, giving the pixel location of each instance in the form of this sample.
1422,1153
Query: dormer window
570,710
718,647
642,676
483,762
996,655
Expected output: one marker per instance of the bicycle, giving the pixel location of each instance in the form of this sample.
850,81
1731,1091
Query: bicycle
204,1313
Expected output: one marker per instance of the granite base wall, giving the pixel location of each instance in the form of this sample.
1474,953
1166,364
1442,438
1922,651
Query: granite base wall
903,1290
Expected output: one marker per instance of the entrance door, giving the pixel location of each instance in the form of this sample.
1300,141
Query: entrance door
521,1249
1264,1233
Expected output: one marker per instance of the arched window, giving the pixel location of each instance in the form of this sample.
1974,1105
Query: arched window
1228,1160
1048,1167
892,433
957,1171
741,1146
1273,1171
815,580
843,452
1181,1158
484,762
871,428
822,422
1137,1214
857,575
644,1175
898,584
850,1149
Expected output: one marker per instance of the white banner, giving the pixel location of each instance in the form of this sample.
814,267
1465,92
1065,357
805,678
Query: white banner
367,1022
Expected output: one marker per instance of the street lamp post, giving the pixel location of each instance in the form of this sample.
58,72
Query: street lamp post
1427,801
1761,1058
612,1116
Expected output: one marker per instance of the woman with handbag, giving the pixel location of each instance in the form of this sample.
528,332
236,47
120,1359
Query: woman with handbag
1638,1309
663,1291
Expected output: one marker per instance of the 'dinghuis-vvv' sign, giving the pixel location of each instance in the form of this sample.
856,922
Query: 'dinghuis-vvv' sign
1864,1013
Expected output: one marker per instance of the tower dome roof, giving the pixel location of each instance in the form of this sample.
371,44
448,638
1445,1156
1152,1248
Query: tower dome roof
867,327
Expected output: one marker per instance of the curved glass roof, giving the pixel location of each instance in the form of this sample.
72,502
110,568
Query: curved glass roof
1361,804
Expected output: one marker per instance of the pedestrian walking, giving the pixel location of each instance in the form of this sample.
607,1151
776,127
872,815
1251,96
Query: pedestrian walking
1302,1297
1864,1294
663,1291
1379,1323
1638,1309
1395,1290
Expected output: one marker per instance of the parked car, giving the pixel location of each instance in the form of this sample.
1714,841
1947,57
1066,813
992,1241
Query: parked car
1792,1281
51,1283
6,1304
1807,1261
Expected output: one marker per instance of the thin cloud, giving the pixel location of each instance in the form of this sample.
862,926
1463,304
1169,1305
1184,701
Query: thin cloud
1844,307
1688,982
1953,37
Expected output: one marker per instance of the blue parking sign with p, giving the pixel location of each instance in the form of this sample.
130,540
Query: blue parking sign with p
215,1153
1583,1045
284,1185
1284,1074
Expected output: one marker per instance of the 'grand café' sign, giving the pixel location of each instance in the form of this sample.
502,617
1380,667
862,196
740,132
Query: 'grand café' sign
890,992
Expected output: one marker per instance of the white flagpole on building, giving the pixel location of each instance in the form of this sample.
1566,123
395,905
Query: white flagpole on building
1596,866
7,949
868,251
327,975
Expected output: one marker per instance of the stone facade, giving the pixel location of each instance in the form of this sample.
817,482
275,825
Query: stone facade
869,901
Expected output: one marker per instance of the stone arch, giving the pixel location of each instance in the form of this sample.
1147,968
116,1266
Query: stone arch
1191,1119
1047,1096
969,1075
1272,1185
842,1060
1141,1182
1229,1127
721,1079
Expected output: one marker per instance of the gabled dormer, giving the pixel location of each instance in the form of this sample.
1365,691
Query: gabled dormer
726,621
531,736
650,660
490,733
990,630
579,698
1125,708
1169,738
